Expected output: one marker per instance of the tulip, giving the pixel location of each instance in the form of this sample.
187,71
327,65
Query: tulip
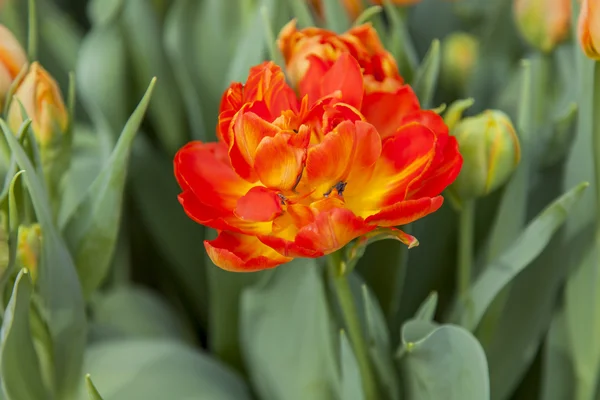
12,60
299,177
29,248
491,152
589,28
543,23
40,96
459,57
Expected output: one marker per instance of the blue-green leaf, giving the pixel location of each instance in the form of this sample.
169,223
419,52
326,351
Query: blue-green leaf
350,374
92,391
426,76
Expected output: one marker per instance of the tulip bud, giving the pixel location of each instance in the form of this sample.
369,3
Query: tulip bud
29,248
543,23
459,57
490,149
589,28
12,60
355,7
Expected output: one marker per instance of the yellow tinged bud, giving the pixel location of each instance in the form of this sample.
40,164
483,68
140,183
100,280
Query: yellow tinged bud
491,152
543,23
459,57
12,60
588,28
29,248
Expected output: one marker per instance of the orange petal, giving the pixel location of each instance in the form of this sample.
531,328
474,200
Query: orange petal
242,253
344,75
259,204
406,212
387,110
278,163
249,130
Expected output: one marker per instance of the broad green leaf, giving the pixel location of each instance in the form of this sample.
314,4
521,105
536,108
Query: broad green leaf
301,10
558,375
144,37
426,76
102,12
445,363
158,369
350,374
155,193
91,231
517,257
60,35
92,391
135,311
399,42
295,359
367,14
58,286
336,16
177,43
21,375
427,310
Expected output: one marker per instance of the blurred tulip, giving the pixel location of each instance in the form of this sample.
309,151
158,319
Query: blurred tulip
589,28
12,60
355,7
29,248
459,56
543,23
491,152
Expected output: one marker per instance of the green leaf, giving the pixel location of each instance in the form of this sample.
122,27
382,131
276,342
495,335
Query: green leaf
295,359
159,209
134,311
367,14
399,42
350,374
159,369
301,10
21,374
336,16
92,391
58,287
447,362
143,34
91,231
60,35
427,310
517,257
426,76
558,376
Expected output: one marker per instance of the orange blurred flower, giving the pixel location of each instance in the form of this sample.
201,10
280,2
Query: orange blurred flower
302,177
589,28
40,96
543,23
356,7
12,60
310,53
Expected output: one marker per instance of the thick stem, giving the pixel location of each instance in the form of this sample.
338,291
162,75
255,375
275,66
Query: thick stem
466,226
343,293
596,143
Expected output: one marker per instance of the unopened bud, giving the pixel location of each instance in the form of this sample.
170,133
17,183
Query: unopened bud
543,23
459,57
491,152
29,248
589,28
12,60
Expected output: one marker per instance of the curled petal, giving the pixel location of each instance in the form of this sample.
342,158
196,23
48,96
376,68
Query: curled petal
406,212
259,204
242,253
278,163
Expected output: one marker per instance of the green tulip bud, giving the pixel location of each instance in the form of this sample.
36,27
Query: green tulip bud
491,152
459,57
29,248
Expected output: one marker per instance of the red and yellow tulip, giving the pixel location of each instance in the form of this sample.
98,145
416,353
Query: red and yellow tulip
302,177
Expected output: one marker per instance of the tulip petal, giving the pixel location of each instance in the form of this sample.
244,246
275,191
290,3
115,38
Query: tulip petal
386,111
344,75
242,253
406,212
204,169
278,163
259,205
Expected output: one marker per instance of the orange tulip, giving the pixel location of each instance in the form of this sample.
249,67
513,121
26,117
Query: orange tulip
589,28
302,177
40,96
355,7
543,23
12,60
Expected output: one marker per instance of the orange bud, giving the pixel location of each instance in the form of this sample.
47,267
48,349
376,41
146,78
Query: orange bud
589,28
543,23
12,60
41,98
29,248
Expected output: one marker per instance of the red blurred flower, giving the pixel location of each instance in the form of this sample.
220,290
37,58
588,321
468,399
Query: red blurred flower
311,53
302,178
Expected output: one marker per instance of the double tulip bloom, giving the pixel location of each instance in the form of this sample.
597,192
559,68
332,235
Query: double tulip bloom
303,175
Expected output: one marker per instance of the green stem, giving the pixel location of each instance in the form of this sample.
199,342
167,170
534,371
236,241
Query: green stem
466,226
596,142
343,293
